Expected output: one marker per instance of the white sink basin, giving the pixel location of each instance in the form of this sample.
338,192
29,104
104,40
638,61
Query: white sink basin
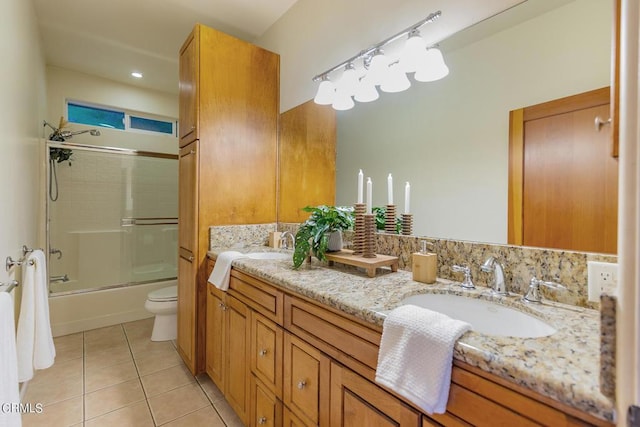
483,316
268,255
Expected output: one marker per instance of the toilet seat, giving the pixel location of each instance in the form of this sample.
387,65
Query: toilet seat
169,293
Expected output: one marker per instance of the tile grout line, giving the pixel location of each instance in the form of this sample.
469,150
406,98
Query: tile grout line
135,364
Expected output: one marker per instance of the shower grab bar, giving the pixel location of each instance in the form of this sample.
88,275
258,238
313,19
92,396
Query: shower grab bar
8,286
129,222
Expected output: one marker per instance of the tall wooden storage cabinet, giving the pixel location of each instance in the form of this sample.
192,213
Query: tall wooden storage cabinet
228,127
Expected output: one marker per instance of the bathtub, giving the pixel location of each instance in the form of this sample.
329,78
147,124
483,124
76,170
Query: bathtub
90,310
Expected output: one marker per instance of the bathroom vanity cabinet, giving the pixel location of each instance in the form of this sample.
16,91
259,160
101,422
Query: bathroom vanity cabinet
310,364
228,128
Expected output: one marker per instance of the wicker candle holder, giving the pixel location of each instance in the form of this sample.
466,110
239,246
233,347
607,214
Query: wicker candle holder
369,249
358,228
407,224
390,219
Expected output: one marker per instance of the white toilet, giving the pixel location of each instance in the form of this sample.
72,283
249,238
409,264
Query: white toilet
164,304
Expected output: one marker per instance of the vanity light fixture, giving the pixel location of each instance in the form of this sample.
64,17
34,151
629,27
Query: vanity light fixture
371,67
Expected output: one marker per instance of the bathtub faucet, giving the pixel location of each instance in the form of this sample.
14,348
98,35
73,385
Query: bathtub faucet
63,279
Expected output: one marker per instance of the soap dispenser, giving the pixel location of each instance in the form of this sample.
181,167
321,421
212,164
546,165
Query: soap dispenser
424,265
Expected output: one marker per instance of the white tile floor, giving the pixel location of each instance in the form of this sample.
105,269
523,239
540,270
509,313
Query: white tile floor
116,376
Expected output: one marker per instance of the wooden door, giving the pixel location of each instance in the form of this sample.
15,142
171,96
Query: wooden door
357,402
237,386
188,198
188,86
216,334
266,352
568,180
266,409
187,308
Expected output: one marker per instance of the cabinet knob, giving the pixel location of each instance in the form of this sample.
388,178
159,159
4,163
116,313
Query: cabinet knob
192,152
222,306
262,352
598,122
191,258
262,420
302,384
193,127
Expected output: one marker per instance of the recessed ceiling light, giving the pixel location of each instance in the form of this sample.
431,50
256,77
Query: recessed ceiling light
136,74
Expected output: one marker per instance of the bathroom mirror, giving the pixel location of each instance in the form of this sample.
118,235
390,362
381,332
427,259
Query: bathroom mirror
450,138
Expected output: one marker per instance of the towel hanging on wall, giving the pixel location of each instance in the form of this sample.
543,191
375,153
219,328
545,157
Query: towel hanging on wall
35,340
9,390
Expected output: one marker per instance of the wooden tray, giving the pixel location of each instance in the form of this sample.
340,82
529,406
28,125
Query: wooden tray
346,256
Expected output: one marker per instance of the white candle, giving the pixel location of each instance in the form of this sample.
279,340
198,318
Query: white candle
390,190
407,191
369,193
360,179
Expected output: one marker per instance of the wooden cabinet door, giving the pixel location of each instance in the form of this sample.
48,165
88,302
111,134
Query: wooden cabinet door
186,341
266,409
188,198
216,335
356,401
306,381
266,352
237,358
188,89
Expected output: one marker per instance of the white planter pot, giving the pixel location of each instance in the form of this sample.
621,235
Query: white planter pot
334,241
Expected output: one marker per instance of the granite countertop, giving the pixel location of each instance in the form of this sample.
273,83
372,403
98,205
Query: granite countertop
564,366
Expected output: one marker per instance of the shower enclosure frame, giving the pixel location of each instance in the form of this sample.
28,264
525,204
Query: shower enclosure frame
105,150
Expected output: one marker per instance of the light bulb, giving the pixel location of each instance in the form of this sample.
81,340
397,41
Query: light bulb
433,68
396,81
366,91
413,53
326,92
347,84
378,68
342,101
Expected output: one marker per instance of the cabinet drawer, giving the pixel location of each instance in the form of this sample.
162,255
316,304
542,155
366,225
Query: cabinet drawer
263,298
320,327
266,409
306,381
266,352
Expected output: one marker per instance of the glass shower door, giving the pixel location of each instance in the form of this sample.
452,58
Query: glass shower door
114,220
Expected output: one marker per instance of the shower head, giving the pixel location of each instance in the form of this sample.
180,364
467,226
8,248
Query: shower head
66,134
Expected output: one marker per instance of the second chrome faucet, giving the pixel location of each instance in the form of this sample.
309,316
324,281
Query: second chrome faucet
492,265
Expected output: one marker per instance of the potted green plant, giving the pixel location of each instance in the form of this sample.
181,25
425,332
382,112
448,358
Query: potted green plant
313,234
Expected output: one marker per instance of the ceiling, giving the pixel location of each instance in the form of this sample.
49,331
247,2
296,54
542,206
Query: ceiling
112,38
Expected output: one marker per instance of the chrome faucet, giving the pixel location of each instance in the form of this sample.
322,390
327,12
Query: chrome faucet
466,283
283,240
533,294
491,265
64,278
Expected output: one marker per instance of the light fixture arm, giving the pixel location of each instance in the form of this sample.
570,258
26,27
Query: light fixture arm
366,52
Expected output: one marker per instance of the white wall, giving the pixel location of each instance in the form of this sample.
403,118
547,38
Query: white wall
63,84
450,138
22,107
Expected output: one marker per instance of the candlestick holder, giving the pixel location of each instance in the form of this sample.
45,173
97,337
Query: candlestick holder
407,224
358,229
390,219
369,249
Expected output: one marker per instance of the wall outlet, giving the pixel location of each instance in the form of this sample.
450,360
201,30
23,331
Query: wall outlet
602,278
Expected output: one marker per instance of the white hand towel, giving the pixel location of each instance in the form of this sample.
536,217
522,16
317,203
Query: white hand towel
9,389
222,269
35,340
416,355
